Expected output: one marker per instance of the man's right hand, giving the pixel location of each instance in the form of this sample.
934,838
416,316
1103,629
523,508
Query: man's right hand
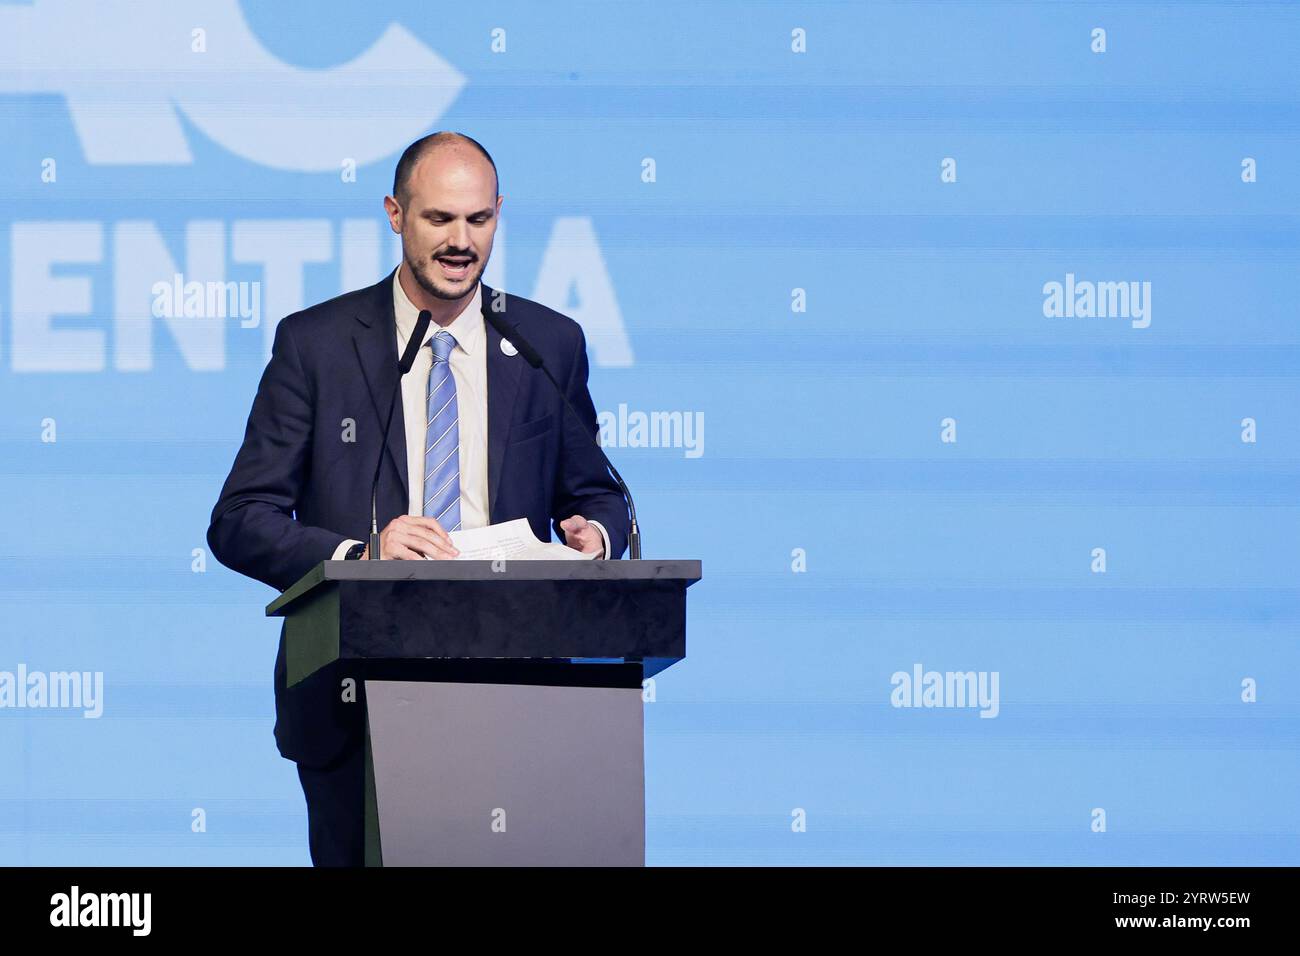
414,538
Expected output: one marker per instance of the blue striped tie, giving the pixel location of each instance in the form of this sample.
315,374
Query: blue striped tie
442,439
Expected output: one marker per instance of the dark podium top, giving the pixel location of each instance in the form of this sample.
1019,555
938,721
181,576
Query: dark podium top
379,612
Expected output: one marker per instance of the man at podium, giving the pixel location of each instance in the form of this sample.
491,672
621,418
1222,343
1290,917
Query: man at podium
477,437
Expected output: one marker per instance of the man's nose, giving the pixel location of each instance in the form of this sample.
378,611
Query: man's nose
458,235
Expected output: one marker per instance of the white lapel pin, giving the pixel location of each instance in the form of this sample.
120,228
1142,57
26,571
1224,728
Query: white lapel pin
508,347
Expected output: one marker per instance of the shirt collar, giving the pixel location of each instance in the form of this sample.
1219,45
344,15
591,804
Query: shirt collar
467,328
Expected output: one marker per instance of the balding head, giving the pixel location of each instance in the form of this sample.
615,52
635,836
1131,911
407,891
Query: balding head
442,142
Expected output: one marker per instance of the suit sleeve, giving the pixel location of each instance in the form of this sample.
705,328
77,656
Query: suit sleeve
584,485
253,528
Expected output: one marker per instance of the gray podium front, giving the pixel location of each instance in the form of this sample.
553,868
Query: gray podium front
502,700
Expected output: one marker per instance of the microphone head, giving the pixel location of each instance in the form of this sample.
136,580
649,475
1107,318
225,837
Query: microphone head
511,334
530,354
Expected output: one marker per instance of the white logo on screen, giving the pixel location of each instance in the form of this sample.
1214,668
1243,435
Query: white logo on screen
128,68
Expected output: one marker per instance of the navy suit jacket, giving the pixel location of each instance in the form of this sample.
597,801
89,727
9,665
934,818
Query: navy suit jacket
300,484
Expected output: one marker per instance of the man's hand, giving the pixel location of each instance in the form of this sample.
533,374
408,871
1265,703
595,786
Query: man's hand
580,535
414,538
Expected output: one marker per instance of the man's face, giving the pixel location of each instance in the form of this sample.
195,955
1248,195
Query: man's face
449,221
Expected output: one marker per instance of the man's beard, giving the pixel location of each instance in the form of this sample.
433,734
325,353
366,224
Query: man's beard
425,279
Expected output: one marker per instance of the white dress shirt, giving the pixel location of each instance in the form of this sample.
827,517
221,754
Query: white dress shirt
468,362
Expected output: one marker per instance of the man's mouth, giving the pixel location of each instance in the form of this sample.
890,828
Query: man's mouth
455,267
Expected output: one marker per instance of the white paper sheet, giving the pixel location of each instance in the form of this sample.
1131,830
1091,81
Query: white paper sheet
513,541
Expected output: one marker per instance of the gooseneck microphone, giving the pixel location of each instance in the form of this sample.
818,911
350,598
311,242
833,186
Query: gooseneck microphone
403,366
534,358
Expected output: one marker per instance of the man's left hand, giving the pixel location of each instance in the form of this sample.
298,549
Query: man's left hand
581,535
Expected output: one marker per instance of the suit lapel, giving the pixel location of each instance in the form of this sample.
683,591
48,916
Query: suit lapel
375,340
502,385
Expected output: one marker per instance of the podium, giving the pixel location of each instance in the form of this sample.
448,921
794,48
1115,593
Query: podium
502,700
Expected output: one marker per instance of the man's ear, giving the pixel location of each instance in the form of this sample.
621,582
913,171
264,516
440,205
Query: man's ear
394,211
